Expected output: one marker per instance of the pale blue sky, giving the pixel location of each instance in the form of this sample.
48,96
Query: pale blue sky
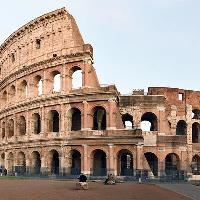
137,43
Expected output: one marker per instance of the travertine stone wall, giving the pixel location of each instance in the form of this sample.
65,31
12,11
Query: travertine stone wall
68,131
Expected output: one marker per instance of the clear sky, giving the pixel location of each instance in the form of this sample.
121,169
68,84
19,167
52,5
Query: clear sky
137,43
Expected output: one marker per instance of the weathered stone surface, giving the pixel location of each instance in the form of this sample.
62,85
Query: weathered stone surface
63,130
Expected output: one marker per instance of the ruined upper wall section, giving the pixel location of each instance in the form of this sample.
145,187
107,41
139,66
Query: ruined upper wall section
50,35
176,96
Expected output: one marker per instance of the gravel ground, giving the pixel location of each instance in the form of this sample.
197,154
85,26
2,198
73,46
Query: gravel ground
59,190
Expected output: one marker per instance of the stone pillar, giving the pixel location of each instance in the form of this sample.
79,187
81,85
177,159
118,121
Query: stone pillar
64,80
45,169
47,87
28,124
161,120
139,156
111,169
189,123
189,157
183,159
85,78
62,119
15,127
6,131
28,163
6,160
85,168
161,167
173,119
137,117
112,110
85,119
68,81
43,121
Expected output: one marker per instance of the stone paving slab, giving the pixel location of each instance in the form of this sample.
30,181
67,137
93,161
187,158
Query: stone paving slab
186,189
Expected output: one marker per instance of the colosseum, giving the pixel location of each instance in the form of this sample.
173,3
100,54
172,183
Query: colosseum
51,128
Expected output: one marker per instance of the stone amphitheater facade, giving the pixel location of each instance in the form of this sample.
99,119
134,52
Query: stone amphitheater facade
92,129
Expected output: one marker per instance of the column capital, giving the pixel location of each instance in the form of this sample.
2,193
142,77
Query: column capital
111,145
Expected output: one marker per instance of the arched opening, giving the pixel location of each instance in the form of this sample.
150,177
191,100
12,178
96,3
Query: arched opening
125,163
76,74
181,128
195,132
196,114
4,98
37,123
76,163
99,118
10,163
21,164
54,155
23,90
127,121
195,165
36,162
99,163
152,161
3,130
149,122
22,125
75,119
56,81
172,164
12,94
10,128
54,121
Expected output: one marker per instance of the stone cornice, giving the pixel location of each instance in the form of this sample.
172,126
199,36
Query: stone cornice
55,99
31,25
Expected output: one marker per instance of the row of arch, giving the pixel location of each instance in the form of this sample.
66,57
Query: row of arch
149,122
125,163
35,87
74,120
98,168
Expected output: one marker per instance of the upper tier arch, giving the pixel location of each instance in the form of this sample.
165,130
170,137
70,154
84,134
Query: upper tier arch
50,35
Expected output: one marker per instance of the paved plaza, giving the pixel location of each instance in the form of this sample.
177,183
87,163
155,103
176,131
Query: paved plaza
189,190
59,190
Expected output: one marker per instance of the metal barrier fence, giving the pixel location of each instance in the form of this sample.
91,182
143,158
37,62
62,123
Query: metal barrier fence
100,173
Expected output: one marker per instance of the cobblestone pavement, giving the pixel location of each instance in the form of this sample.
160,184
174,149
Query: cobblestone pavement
60,190
186,189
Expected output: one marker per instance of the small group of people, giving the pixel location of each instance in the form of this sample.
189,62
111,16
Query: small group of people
3,172
82,184
110,180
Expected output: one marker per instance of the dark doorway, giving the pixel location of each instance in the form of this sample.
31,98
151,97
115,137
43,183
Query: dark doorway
153,162
99,118
76,163
195,132
181,128
54,121
76,119
99,163
36,162
55,163
172,164
125,163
